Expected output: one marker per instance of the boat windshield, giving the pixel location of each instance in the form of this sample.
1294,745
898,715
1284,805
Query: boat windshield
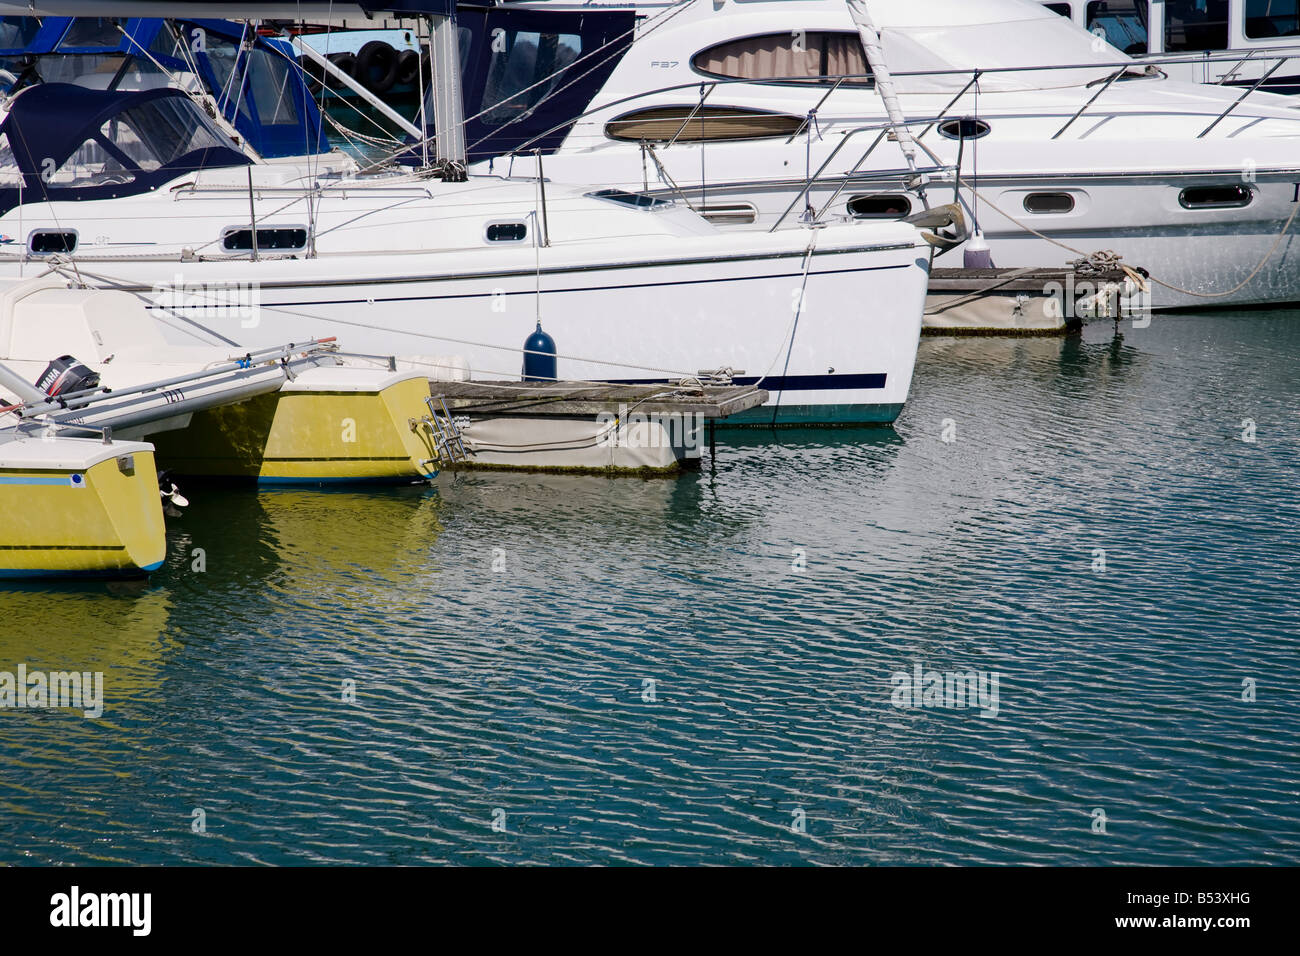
66,142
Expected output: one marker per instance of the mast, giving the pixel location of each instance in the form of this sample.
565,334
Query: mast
448,104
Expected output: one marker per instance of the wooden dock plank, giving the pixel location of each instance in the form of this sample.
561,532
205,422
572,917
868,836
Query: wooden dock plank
591,398
1013,280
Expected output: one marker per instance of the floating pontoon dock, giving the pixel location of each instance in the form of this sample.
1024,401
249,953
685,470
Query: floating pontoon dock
1027,301
584,426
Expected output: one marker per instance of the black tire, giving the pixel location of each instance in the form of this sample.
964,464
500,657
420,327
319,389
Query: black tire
408,68
376,67
347,62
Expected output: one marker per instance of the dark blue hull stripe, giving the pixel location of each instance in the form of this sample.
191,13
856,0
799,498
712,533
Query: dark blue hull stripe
789,383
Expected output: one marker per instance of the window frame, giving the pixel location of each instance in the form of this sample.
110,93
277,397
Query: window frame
1264,40
882,217
694,113
62,231
229,231
1249,197
1024,203
487,230
822,80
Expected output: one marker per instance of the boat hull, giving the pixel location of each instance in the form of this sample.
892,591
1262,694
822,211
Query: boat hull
1223,257
826,320
308,435
79,519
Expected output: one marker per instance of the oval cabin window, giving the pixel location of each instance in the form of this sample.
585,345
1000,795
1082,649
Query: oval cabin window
1215,197
688,124
1048,203
880,207
792,55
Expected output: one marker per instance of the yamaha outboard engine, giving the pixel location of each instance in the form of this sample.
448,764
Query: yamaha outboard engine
66,375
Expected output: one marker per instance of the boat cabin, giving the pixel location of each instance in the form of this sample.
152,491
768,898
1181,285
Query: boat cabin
1157,27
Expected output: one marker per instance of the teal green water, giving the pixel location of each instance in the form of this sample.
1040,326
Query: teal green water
649,678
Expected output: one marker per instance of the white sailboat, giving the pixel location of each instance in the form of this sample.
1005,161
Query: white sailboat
138,191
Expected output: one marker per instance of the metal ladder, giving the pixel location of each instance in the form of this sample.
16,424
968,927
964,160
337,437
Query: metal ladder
447,444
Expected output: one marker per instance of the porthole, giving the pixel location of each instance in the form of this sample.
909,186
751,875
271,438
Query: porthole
881,206
1215,197
967,127
49,242
1043,204
507,231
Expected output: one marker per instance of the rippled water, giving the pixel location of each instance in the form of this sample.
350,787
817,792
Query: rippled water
526,691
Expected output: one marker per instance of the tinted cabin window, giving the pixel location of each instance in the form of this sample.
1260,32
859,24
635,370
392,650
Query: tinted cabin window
1214,197
268,240
1062,8
1047,203
690,125
51,243
880,207
1122,22
1196,25
1266,19
795,55
507,232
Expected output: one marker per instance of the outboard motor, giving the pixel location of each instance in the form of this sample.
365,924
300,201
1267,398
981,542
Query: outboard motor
172,499
66,375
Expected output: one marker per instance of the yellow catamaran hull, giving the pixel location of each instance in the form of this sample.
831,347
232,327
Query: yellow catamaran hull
79,508
342,425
